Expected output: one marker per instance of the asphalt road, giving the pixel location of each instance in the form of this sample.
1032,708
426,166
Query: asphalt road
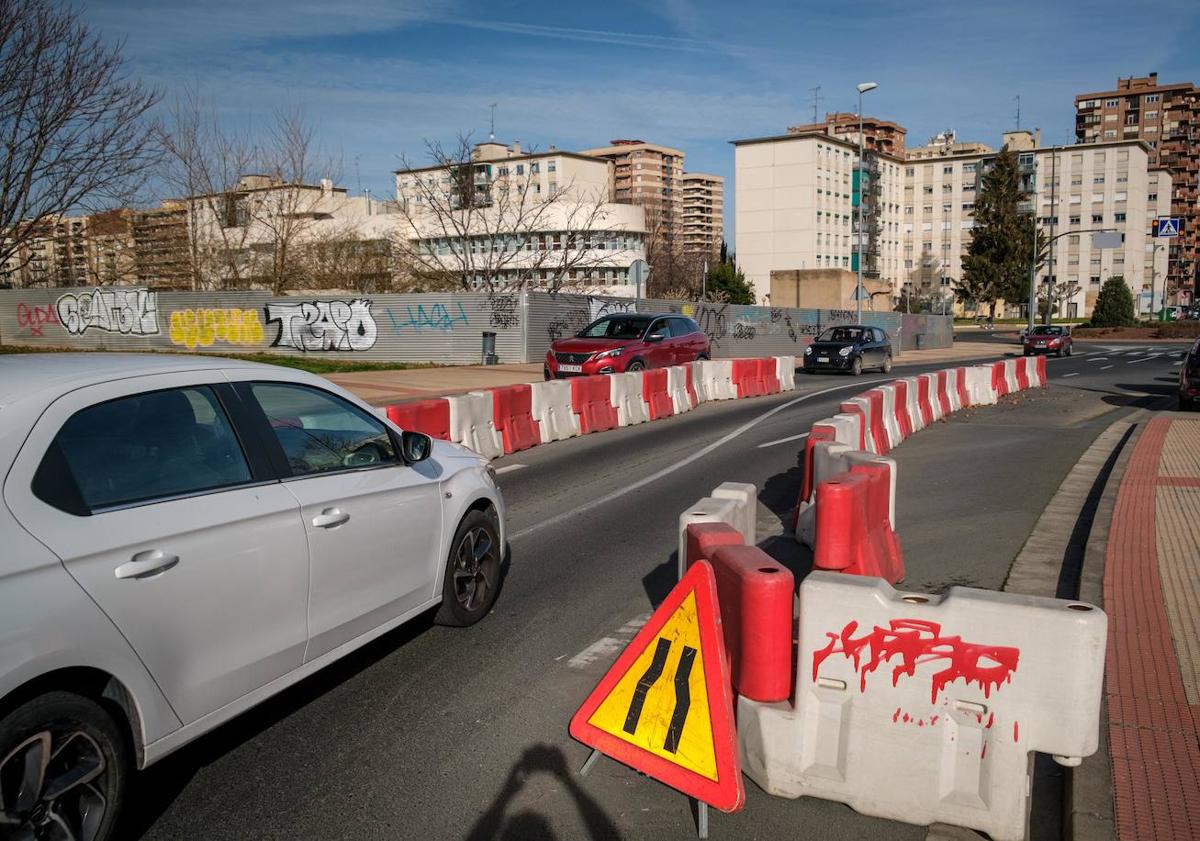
434,733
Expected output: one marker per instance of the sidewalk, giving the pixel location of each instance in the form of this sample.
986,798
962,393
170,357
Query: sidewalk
1152,596
384,387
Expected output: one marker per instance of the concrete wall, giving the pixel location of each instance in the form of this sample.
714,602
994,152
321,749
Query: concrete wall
439,328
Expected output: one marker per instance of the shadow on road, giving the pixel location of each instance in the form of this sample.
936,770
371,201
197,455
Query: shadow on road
526,825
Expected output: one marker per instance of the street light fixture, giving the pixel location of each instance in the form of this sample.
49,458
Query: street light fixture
858,290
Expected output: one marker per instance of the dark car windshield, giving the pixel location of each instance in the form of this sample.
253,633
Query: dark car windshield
615,327
1047,331
841,334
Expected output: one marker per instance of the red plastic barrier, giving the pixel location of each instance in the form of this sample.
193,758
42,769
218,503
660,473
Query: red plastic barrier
768,374
1022,375
943,392
863,432
654,392
878,428
902,418
817,434
964,396
591,399
691,387
853,531
755,594
429,416
512,413
746,379
923,404
1041,371
999,381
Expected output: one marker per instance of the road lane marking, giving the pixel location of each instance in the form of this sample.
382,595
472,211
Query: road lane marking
1143,359
1105,367
1099,359
1072,374
606,646
684,462
784,440
509,468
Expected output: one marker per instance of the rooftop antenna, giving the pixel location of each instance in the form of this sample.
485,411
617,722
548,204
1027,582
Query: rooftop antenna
816,100
492,134
357,175
1018,98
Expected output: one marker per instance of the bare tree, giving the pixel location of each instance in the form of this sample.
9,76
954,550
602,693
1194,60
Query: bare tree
342,258
74,127
482,224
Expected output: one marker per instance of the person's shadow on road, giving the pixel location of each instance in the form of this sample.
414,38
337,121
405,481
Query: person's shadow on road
526,825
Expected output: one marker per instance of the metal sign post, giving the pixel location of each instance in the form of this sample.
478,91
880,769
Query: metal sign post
639,273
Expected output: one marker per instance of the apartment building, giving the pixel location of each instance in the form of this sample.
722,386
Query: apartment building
86,250
1167,118
796,203
881,136
162,246
514,216
703,228
650,176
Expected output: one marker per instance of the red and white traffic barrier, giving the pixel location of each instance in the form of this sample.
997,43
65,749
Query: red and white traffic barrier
473,424
431,417
733,503
655,393
854,532
551,405
625,392
683,399
785,371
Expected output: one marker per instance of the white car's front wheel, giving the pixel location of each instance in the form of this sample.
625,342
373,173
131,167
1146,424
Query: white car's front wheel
472,578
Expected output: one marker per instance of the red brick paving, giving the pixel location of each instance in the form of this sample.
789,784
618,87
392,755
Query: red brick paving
1154,735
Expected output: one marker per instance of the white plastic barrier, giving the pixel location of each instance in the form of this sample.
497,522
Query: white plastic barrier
914,404
677,387
472,423
718,379
736,507
979,385
1031,371
625,391
699,383
847,428
1010,375
924,708
889,415
551,408
864,404
953,375
829,459
785,370
935,404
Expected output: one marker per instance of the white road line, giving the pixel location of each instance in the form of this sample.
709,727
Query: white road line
1073,374
1136,361
784,440
606,646
1105,367
509,468
684,462
1099,359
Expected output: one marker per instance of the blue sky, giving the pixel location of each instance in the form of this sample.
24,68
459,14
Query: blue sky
379,78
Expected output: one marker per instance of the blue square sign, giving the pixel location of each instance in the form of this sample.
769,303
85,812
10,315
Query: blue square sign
1168,226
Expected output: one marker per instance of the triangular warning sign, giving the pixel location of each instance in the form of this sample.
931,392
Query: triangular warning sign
665,708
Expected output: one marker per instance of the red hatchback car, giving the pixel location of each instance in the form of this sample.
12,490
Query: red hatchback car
627,342
1048,339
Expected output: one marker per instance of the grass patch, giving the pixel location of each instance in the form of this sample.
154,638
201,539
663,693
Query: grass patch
312,364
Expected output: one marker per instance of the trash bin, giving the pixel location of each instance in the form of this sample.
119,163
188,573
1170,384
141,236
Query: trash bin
920,341
489,348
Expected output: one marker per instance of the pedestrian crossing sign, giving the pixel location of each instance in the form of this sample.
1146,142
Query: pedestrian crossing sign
1168,226
665,708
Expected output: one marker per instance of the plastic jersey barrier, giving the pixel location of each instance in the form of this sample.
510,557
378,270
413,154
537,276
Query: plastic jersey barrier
915,418
879,434
655,394
891,422
1010,375
429,416
981,385
717,378
472,423
924,406
736,507
853,532
861,404
591,401
825,459
856,410
926,708
999,382
755,595
512,412
1040,364
785,370
944,384
682,400
552,408
626,395
768,374
820,432
694,385
903,402
747,379
964,395
1021,371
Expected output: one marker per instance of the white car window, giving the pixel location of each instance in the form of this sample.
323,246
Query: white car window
150,446
319,432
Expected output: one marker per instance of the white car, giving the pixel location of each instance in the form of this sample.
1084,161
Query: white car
184,537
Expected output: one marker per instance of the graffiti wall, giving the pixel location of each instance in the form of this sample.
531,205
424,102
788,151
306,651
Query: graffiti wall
413,328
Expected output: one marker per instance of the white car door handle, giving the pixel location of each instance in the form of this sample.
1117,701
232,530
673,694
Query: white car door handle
330,518
145,564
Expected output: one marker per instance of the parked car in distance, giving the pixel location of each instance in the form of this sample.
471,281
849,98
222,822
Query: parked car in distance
849,348
1189,378
1048,338
622,342
185,537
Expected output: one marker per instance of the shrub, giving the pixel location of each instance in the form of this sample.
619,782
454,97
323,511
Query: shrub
1178,330
1114,304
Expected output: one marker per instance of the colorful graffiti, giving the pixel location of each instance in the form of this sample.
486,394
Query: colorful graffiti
204,327
916,642
34,318
325,325
125,311
437,317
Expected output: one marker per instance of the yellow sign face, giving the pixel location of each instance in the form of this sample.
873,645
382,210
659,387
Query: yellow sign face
661,703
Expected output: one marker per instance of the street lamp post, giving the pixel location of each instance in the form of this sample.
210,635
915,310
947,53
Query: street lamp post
858,291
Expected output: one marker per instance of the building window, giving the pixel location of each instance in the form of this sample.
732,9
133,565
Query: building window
1098,218
1152,197
1094,280
1073,220
1111,103
947,170
1099,179
1111,134
520,169
910,170
1119,217
968,168
1150,115
1150,97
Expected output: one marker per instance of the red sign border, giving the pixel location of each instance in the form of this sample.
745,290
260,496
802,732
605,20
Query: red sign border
728,792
